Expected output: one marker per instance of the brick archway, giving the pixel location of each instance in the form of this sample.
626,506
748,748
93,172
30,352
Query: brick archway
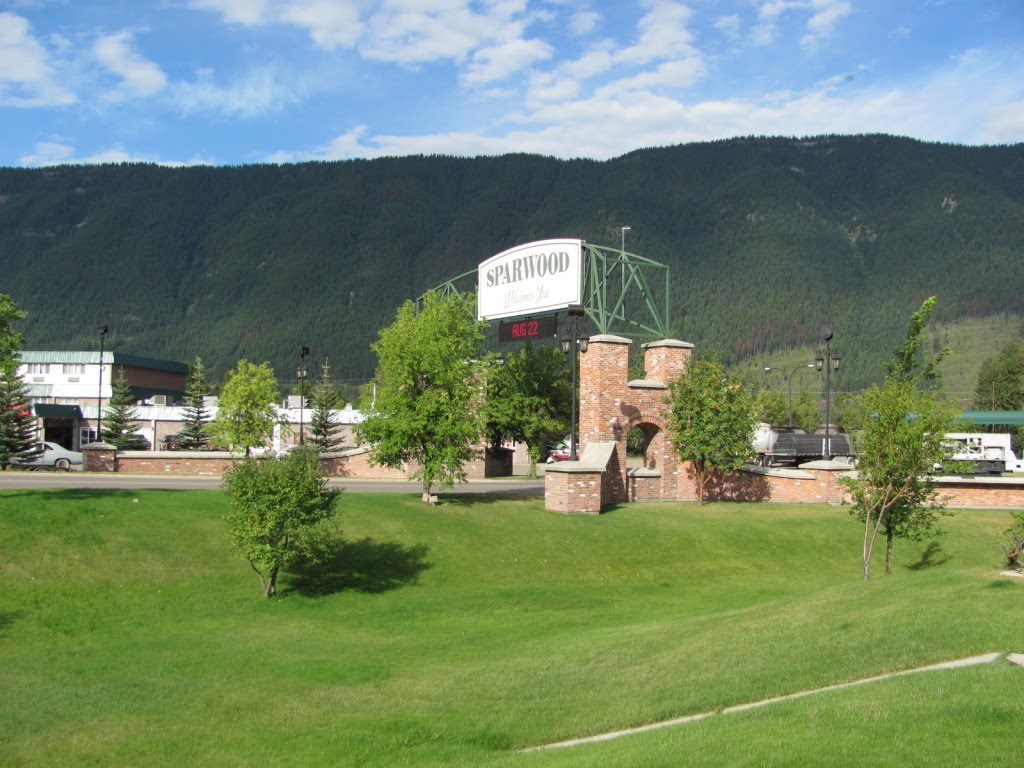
610,404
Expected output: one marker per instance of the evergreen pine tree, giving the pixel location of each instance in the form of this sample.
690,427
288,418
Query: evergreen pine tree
118,422
195,414
323,400
18,440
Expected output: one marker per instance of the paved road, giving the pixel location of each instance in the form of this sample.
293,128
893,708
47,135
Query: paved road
23,480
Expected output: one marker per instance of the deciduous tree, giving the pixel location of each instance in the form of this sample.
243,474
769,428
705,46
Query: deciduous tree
245,412
528,399
904,427
280,512
770,408
424,405
1000,385
10,339
711,419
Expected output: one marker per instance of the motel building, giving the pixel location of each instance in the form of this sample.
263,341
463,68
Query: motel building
65,388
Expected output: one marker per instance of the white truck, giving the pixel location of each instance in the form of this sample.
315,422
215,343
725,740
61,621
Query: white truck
991,453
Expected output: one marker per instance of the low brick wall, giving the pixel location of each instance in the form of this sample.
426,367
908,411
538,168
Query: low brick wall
176,462
355,463
993,492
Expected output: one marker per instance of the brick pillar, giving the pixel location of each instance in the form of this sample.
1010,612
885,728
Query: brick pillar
99,457
604,369
664,360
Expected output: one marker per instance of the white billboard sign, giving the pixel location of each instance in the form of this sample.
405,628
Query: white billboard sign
531,279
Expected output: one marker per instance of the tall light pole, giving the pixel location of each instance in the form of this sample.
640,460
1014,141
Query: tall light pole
624,231
830,363
301,373
571,344
789,383
99,395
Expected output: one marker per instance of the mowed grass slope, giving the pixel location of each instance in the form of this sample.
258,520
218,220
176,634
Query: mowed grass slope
458,634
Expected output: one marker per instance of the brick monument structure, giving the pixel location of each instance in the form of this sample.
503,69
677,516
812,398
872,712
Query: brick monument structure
611,405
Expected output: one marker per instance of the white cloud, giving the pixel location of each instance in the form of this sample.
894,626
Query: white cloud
48,153
331,24
663,34
824,15
412,32
583,23
27,74
53,153
246,12
259,92
500,61
978,97
827,14
728,26
139,76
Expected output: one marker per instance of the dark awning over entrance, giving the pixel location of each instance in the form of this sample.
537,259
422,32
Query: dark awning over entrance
56,411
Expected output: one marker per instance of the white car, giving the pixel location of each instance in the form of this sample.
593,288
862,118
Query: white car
55,457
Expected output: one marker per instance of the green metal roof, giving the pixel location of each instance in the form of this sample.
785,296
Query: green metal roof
999,418
93,358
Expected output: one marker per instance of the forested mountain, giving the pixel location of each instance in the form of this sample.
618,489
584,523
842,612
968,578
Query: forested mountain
768,240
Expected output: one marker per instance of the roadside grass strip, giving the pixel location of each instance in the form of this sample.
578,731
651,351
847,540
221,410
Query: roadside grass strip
973,661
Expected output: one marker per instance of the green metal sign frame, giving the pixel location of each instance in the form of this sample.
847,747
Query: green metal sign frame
623,293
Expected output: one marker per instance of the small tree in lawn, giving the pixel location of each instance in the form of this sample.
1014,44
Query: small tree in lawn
904,427
280,512
711,419
424,404
528,397
120,417
245,412
324,400
1013,542
18,439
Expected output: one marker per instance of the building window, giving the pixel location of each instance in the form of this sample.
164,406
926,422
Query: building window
73,368
38,367
86,435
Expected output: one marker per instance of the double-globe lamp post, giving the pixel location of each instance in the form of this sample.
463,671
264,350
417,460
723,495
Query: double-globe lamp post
572,344
301,374
830,363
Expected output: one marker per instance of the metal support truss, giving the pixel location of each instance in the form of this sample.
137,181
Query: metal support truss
623,293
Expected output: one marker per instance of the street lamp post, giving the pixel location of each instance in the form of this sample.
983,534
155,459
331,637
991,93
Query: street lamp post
830,363
571,345
789,384
301,375
99,394
624,231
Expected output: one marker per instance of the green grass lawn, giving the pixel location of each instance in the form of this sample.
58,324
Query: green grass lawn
458,634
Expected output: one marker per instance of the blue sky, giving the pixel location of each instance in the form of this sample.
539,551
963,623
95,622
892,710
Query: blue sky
229,82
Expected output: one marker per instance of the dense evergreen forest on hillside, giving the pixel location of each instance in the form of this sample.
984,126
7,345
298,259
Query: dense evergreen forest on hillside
768,240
